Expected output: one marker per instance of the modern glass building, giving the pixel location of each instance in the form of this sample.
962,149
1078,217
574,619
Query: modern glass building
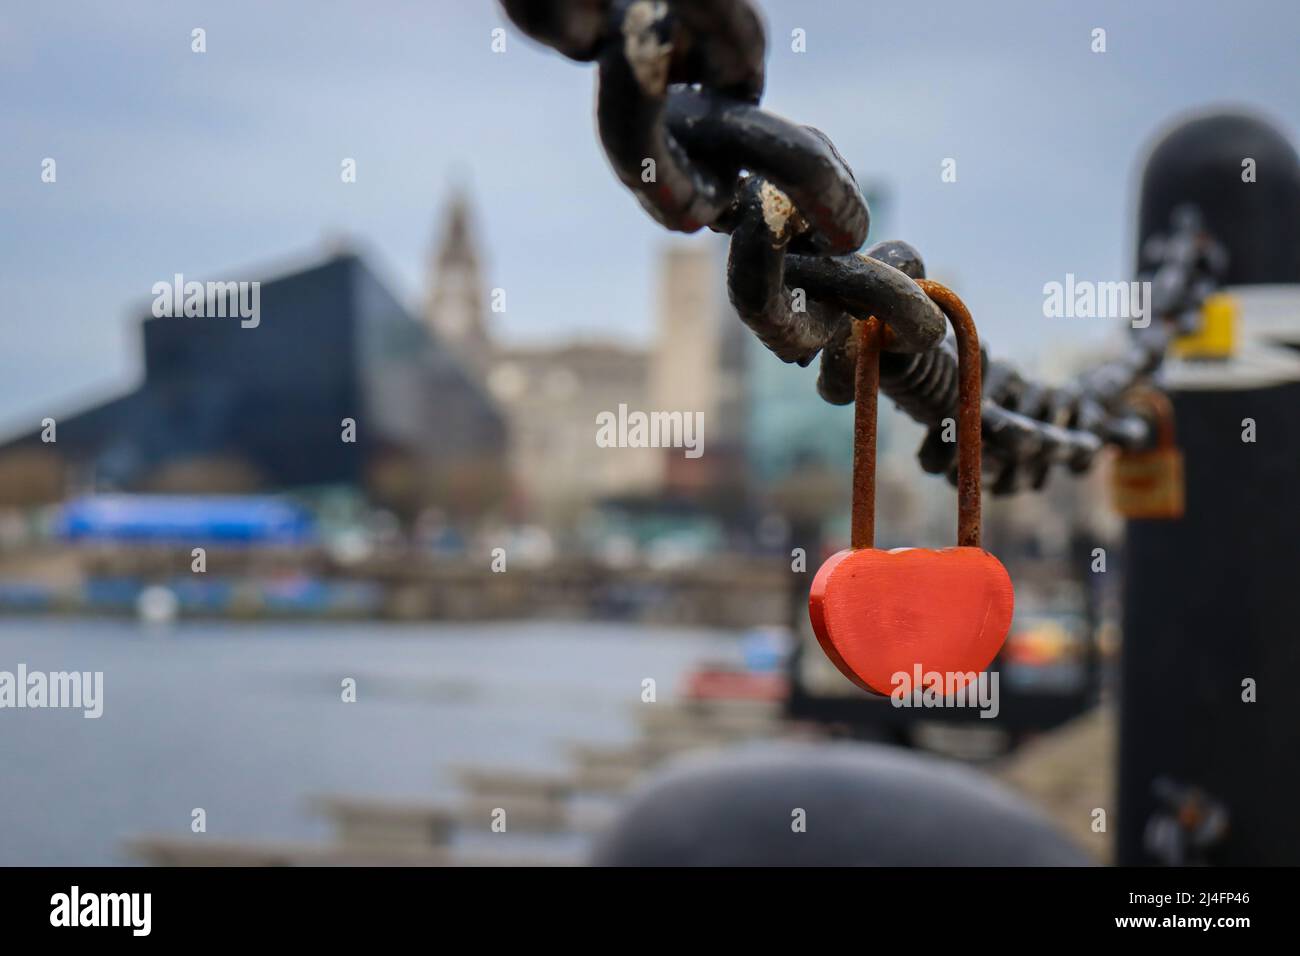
231,406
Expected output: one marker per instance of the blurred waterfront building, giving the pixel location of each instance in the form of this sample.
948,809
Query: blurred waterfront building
552,394
230,409
454,308
698,365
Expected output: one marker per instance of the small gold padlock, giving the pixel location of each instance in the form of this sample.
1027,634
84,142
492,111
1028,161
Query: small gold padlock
1149,483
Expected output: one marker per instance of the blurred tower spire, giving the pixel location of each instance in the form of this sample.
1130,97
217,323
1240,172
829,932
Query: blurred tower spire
454,310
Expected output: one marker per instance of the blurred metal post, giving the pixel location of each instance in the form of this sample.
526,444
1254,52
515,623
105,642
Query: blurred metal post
1212,601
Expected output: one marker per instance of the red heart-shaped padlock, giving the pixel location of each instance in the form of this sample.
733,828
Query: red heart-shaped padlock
878,614
881,613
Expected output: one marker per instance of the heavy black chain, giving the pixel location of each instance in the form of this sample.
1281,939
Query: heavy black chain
680,82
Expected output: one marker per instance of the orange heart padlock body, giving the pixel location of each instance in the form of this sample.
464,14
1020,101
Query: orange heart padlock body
881,613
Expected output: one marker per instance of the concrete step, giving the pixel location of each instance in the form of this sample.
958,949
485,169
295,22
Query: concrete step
381,822
731,720
387,822
214,851
478,779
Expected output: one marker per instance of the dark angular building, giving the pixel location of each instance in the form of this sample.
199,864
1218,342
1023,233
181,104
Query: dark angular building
229,408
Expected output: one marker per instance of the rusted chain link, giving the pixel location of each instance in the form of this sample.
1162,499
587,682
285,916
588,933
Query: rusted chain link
678,115
1030,427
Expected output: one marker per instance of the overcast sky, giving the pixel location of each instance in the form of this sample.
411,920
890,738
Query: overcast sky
226,164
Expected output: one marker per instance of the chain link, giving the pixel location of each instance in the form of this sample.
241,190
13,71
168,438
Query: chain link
677,109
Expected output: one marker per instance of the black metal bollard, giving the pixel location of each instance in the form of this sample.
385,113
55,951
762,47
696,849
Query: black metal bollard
1212,601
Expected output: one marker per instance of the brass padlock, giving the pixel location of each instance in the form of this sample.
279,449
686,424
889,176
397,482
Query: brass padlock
1149,483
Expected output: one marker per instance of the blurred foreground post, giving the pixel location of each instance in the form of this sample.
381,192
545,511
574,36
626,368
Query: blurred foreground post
1212,601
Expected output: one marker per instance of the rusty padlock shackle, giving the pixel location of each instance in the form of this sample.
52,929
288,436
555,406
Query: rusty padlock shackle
1155,406
870,334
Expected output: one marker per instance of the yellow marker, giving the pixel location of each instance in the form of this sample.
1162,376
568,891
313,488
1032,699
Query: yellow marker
1217,336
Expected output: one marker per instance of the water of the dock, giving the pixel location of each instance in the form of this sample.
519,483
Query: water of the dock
247,721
